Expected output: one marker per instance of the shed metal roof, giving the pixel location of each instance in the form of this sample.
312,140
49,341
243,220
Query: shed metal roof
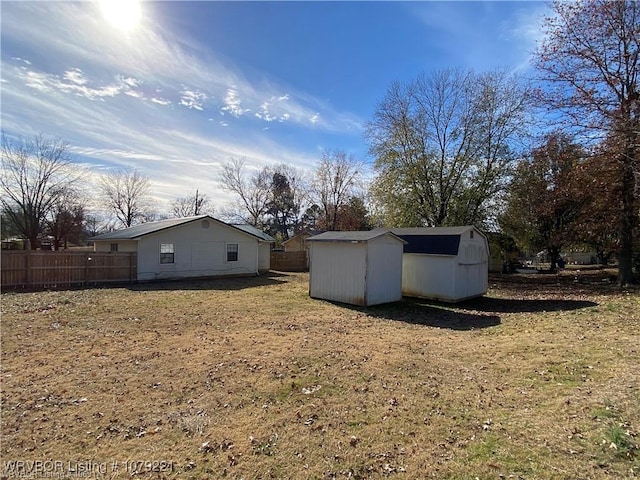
355,236
430,230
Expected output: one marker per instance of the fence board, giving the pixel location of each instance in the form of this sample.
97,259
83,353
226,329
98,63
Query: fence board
289,261
43,269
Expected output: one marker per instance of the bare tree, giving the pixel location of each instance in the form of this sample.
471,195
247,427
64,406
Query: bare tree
589,62
252,190
125,194
336,179
191,205
37,174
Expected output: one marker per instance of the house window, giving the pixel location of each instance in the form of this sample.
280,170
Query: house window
166,253
471,233
114,247
232,252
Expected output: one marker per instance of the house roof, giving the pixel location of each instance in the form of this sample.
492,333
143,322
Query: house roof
137,231
356,236
254,231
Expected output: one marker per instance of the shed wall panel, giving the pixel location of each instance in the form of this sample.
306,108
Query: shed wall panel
473,267
338,271
384,278
428,276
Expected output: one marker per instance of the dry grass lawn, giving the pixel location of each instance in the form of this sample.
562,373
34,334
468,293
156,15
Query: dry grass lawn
250,378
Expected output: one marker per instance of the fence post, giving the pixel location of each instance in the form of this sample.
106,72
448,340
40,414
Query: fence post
27,263
86,269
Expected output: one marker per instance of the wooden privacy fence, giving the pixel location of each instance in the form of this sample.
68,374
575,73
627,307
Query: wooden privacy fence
289,261
42,269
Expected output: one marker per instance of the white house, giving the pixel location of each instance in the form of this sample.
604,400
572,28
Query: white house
444,263
360,268
190,247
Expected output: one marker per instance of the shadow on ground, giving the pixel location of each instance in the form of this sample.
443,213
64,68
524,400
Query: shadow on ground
514,305
420,313
212,283
472,314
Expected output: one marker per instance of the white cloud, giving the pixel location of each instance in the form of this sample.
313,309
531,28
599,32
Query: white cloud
233,104
75,76
273,109
160,101
18,59
192,98
132,82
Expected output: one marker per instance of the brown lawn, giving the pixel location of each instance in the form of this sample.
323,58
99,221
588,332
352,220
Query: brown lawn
250,378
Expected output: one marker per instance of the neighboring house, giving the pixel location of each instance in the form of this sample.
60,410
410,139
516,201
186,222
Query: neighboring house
190,247
298,243
360,268
444,263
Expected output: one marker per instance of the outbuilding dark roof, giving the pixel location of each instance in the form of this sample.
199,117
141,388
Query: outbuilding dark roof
431,240
432,244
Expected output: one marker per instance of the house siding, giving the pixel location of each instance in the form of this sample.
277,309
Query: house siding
264,257
296,244
198,252
123,245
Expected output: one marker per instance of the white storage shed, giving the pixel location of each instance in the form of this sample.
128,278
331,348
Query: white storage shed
444,263
360,268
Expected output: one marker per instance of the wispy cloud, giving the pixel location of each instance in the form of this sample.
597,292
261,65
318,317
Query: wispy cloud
478,35
233,104
274,109
134,100
192,99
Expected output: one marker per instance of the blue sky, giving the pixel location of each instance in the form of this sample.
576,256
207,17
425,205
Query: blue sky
192,84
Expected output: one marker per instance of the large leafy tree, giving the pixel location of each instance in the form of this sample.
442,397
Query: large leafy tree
543,207
37,177
281,208
444,146
354,215
596,184
589,63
